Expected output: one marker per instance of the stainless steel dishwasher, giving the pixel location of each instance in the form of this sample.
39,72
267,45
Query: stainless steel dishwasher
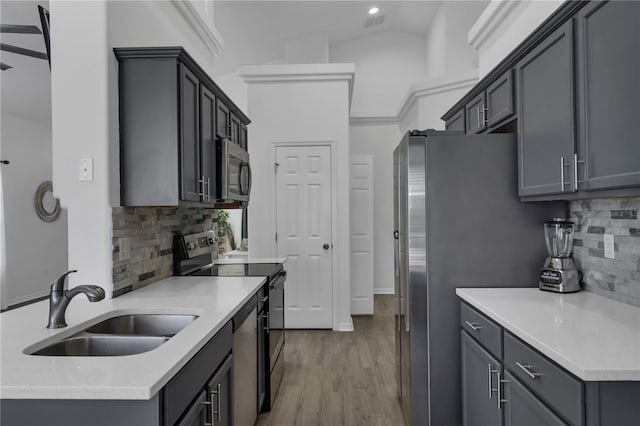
245,364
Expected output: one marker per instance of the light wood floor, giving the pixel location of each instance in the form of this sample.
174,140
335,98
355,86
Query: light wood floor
340,378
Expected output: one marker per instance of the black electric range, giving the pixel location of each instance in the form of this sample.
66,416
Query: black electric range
193,255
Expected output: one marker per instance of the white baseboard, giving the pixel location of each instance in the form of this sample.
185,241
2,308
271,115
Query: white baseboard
345,326
383,290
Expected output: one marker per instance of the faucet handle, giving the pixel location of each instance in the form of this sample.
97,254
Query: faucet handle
58,285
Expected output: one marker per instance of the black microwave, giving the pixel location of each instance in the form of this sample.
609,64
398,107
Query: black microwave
234,172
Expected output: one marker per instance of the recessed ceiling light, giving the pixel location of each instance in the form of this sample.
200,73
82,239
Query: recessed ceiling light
373,10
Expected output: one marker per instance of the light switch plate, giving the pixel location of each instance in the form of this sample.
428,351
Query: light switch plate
609,246
86,169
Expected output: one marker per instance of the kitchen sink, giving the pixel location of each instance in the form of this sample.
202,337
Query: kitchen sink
118,336
102,345
143,325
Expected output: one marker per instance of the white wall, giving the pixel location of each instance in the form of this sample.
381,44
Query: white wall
505,24
308,50
300,103
379,140
85,110
235,87
36,251
386,65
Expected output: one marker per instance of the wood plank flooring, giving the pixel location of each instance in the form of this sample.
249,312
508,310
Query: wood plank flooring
340,378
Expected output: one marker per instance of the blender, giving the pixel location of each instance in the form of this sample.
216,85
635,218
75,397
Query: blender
559,273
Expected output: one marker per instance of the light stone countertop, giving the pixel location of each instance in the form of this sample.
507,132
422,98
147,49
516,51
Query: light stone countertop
134,377
249,259
593,337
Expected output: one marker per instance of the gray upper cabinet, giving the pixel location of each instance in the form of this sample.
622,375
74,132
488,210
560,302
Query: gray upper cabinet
545,79
190,184
475,111
456,122
499,97
608,58
480,372
170,115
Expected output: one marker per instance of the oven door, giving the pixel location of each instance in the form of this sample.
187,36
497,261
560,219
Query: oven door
276,317
234,178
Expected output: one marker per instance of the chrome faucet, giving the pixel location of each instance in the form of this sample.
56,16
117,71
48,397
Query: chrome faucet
59,299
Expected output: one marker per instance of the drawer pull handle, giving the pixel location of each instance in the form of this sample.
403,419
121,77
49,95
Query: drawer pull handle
474,325
526,368
490,371
207,403
500,382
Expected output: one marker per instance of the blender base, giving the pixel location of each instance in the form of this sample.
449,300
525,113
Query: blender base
559,275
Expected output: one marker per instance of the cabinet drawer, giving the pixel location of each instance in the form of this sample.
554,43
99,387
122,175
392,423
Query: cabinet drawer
481,328
551,383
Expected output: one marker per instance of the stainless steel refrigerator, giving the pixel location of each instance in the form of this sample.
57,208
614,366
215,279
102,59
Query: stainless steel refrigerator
458,223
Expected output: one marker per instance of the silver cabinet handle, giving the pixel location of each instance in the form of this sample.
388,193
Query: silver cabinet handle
490,371
474,326
500,382
208,189
484,115
202,183
217,412
478,116
209,403
526,368
575,170
562,173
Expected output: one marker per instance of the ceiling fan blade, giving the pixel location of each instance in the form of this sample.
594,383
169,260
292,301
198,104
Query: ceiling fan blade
4,66
19,29
22,51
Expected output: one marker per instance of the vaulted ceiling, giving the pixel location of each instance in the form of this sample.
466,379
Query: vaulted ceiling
255,32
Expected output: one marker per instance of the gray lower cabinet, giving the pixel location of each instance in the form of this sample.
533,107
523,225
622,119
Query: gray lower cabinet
513,384
522,408
546,136
480,372
198,414
608,58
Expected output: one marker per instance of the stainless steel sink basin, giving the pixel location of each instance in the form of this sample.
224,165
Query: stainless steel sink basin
102,345
121,335
143,325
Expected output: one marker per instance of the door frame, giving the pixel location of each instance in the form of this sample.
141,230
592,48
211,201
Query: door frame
335,320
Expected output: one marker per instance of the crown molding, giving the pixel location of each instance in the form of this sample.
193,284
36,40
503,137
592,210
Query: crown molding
288,73
490,20
362,120
208,33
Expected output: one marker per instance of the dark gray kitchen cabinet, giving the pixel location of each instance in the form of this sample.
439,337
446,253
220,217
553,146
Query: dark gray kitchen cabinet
499,97
170,116
480,375
608,58
475,112
190,182
523,408
220,390
456,122
236,129
198,414
244,143
546,137
223,119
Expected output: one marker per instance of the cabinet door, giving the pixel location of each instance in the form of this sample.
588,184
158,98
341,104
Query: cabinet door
223,120
190,186
609,94
480,406
544,83
208,145
196,415
244,143
236,128
220,390
475,114
456,122
523,408
499,97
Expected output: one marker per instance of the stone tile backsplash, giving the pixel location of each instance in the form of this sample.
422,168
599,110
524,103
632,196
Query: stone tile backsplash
617,278
143,242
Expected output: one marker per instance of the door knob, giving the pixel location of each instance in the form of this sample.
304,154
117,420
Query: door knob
325,246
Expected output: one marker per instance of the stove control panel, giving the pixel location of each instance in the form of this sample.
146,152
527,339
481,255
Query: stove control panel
192,245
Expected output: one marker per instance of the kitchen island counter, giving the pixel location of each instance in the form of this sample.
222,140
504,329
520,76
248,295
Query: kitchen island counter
133,377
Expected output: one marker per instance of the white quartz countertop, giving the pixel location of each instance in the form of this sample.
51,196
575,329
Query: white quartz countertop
595,338
248,259
140,376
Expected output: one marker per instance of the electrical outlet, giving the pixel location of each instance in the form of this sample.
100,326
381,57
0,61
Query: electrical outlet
86,169
609,246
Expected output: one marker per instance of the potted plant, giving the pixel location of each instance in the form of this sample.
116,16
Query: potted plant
224,231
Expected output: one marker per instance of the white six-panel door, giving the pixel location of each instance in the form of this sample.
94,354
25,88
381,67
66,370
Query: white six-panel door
303,211
361,234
